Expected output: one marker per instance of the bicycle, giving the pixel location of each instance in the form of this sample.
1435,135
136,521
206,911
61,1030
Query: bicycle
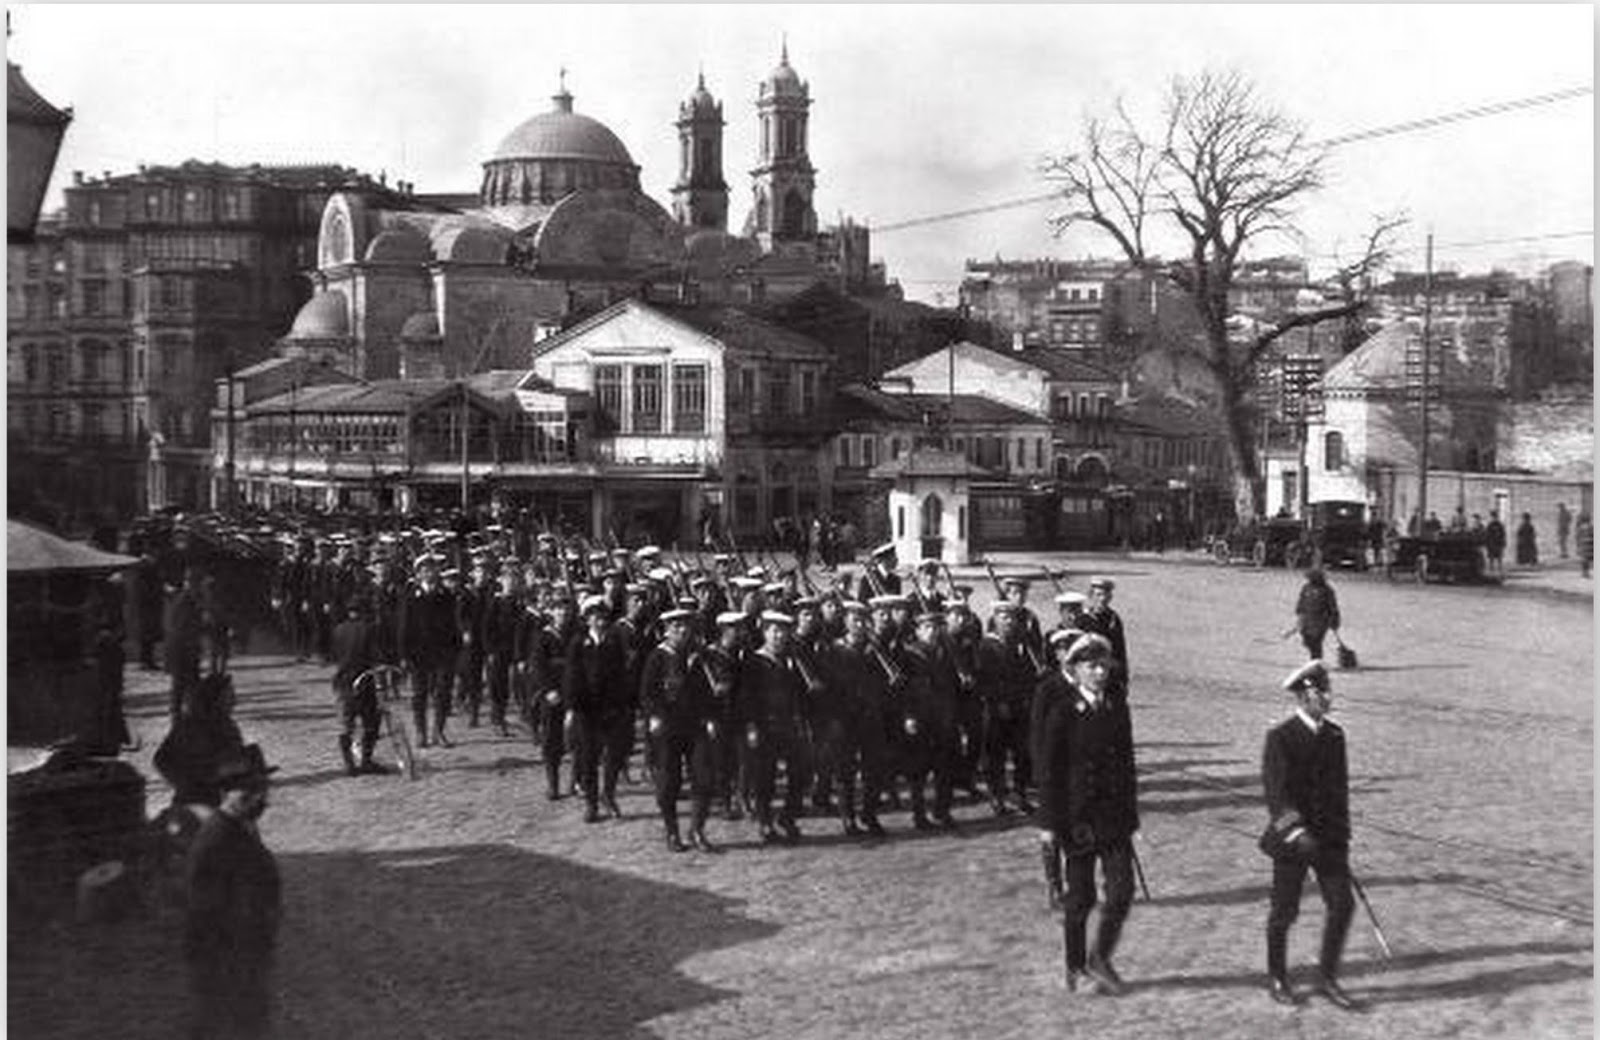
387,682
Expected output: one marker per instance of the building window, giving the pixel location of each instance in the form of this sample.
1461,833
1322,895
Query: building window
869,450
152,205
844,451
55,368
1022,453
30,363
689,398
808,391
93,421
899,521
778,390
94,298
608,393
230,204
91,362
647,398
894,448
1103,407
58,302
747,390
1333,450
1038,453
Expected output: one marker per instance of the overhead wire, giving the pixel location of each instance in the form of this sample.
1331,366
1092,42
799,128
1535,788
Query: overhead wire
1392,130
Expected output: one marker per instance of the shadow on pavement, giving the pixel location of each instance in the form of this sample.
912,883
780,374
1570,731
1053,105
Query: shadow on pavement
457,941
1258,893
1499,982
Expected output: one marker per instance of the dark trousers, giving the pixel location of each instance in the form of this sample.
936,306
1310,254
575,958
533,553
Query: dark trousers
774,746
359,707
602,744
552,735
497,667
1005,738
669,750
969,732
469,678
1332,868
430,684
231,997
934,755
1116,863
1312,638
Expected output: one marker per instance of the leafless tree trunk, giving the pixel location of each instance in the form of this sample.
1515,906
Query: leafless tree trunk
1226,171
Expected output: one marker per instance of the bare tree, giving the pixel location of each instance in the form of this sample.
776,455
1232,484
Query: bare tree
1226,172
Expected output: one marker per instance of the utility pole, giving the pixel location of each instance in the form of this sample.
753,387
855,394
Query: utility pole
1427,330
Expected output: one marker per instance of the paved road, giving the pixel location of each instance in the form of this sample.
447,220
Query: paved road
464,905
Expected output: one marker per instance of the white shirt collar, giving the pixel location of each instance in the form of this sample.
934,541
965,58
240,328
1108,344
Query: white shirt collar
1314,725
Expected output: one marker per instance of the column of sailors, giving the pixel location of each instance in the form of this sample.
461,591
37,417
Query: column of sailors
768,698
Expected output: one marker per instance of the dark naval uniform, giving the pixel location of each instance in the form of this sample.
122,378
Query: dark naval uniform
1088,796
1307,786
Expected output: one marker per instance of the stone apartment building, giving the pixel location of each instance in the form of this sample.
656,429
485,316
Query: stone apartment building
129,304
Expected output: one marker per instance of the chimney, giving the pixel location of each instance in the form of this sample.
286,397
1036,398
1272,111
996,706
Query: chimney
77,177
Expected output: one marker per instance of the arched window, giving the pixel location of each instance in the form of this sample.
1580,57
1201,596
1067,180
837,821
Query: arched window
932,516
1333,450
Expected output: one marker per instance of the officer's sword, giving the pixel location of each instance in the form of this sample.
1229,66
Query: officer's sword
1138,870
1377,929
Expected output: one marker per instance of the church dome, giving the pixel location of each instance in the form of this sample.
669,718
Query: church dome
564,134
553,155
700,102
325,316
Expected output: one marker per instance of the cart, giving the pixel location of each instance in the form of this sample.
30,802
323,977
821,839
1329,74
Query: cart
1455,556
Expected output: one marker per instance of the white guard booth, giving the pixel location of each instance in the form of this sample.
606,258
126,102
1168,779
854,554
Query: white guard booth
930,516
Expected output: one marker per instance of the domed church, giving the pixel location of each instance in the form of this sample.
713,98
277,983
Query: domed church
413,285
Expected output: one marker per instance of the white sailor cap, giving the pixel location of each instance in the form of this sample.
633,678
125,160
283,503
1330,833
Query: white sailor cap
1092,645
591,604
774,617
730,617
1071,599
1312,673
676,615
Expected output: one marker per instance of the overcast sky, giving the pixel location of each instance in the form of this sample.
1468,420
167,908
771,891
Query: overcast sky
916,110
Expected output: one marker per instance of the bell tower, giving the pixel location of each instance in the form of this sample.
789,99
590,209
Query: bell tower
700,198
784,179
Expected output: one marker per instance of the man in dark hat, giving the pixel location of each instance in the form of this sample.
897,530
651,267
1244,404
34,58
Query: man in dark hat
595,689
1306,776
880,577
233,906
1088,801
355,650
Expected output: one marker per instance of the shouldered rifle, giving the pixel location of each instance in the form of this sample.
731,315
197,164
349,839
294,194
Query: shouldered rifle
999,591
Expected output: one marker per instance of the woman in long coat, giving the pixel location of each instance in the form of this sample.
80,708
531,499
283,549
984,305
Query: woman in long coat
1527,543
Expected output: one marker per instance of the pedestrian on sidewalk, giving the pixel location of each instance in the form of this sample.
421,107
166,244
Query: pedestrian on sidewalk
1585,533
1494,543
1305,774
1088,802
1527,543
1316,612
1563,527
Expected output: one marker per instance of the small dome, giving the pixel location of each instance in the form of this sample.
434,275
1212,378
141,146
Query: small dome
472,245
399,246
700,102
325,316
563,134
421,325
784,81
